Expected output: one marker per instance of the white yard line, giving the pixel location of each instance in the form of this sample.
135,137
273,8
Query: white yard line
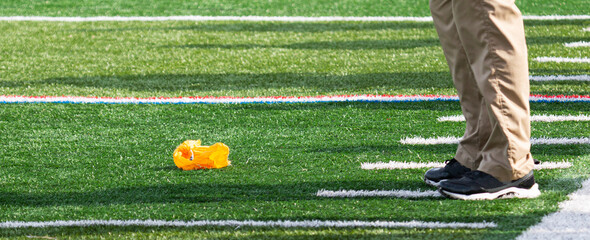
562,60
560,78
248,100
216,18
377,193
247,223
253,100
430,141
577,44
455,140
534,118
454,118
400,165
572,221
557,17
414,165
258,18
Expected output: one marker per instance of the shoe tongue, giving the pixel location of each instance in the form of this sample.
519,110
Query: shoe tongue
455,168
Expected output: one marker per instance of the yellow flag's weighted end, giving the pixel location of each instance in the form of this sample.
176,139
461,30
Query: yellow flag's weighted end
191,155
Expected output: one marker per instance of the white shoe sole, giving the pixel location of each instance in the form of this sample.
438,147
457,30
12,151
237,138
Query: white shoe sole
512,192
431,183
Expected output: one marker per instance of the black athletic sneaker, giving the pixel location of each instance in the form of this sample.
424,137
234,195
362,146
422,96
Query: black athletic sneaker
477,185
452,170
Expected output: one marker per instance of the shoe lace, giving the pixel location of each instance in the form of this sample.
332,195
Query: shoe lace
450,161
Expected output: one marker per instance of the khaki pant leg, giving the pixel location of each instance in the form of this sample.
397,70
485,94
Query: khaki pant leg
492,34
478,129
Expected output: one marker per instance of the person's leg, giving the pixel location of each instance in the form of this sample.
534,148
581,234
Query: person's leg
492,33
477,131
478,128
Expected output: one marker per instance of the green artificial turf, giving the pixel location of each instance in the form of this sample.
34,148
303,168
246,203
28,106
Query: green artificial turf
86,161
146,59
257,7
76,161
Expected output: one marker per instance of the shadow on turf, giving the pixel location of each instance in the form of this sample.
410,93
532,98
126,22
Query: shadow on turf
314,82
332,45
249,233
569,71
533,23
311,27
317,83
237,26
538,151
196,193
510,222
554,40
205,192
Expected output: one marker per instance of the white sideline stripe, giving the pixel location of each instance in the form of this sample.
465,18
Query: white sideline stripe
377,193
253,100
246,223
570,222
454,118
559,118
562,60
455,140
557,17
429,141
400,165
246,100
560,78
552,165
577,44
414,165
260,18
534,118
216,18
